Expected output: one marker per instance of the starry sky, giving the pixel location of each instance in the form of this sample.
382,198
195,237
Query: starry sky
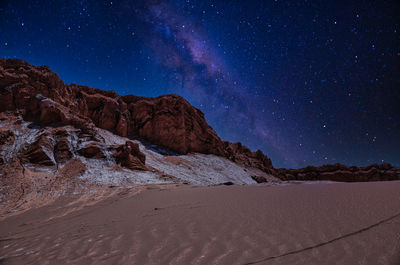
307,82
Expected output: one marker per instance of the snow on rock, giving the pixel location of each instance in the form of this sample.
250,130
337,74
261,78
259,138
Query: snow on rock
100,172
23,136
194,168
162,166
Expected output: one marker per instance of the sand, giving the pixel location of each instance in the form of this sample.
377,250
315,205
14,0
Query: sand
324,223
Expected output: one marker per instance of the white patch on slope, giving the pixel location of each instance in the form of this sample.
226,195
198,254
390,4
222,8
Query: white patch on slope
99,171
195,168
49,151
110,138
199,169
23,136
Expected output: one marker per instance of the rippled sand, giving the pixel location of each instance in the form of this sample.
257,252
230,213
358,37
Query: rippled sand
340,223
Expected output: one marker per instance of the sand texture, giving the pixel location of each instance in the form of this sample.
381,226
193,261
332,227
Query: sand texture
325,223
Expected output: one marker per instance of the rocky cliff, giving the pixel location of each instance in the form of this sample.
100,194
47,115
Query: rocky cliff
169,121
46,122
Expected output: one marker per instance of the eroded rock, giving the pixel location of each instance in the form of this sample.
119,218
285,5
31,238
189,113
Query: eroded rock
129,155
168,121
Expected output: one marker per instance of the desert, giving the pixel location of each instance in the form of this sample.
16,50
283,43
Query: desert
86,180
319,223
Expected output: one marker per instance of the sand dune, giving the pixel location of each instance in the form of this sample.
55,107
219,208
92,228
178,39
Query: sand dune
325,223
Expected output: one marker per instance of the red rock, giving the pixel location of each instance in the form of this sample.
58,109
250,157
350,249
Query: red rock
6,136
259,179
168,121
242,154
62,150
72,169
40,152
338,172
122,127
129,155
92,150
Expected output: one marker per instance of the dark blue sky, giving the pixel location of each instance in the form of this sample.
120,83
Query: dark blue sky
307,82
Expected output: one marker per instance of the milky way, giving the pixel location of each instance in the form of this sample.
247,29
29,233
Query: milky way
305,82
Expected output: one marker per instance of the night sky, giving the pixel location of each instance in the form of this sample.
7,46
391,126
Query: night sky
307,82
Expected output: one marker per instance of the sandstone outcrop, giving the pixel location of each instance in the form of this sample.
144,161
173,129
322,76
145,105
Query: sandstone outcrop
92,150
129,155
54,146
40,152
67,117
168,121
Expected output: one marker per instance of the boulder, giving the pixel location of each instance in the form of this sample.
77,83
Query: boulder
129,155
259,179
40,152
92,150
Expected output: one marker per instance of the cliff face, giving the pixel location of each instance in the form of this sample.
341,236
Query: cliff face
169,121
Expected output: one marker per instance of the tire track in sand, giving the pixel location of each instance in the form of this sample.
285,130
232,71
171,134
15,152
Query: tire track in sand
326,242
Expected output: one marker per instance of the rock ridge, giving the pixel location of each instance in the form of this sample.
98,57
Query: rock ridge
342,173
36,94
168,121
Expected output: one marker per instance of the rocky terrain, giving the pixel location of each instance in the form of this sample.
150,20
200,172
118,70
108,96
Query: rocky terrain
168,121
338,172
56,137
39,163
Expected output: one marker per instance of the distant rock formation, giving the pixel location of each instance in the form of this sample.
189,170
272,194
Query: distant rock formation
168,121
338,172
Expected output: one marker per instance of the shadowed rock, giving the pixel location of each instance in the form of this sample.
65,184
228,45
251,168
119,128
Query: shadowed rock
40,152
338,172
259,179
92,150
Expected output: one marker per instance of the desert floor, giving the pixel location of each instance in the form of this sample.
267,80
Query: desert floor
318,223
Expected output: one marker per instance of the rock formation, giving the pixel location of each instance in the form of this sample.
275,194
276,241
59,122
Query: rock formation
67,118
338,172
129,155
168,121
